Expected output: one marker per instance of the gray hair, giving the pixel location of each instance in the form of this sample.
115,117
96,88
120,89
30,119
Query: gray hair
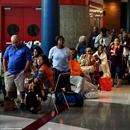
82,38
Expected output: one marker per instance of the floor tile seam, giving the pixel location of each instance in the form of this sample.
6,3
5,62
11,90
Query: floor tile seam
41,121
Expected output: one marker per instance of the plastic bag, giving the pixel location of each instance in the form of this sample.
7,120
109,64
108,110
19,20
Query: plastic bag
106,84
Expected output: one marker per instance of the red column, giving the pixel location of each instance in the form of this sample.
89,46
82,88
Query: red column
104,18
74,2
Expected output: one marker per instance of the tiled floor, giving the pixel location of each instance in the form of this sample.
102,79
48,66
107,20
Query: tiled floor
111,111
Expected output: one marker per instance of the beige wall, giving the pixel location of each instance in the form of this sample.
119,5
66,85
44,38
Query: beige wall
74,22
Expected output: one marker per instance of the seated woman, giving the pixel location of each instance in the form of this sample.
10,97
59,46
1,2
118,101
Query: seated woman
43,78
37,51
102,57
81,46
80,79
87,62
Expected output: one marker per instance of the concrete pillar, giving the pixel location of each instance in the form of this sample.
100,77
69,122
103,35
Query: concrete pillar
50,25
128,16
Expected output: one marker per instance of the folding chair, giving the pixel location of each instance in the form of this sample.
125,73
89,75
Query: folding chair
62,82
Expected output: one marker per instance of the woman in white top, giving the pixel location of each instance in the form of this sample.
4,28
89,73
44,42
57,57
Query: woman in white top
102,57
59,57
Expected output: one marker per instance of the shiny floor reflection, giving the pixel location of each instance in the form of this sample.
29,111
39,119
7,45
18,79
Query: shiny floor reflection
116,95
13,123
97,116
56,126
109,112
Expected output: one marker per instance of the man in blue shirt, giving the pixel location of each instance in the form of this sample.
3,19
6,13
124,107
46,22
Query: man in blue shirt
19,60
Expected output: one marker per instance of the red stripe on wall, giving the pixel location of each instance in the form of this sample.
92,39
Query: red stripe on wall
74,2
21,3
104,19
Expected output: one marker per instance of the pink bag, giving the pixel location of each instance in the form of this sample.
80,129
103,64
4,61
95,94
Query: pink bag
106,84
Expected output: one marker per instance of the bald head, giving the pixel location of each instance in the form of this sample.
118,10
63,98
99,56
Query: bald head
15,41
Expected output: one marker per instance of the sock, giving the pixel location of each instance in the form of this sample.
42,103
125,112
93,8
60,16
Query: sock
22,100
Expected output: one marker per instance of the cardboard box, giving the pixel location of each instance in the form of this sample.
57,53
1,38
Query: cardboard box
8,104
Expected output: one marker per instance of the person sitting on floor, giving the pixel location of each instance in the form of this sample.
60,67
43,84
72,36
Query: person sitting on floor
43,81
80,79
102,57
87,61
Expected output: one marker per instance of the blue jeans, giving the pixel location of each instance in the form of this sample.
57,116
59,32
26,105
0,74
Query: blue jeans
118,70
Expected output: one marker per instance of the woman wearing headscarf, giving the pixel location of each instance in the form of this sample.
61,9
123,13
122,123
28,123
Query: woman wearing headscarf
81,46
59,57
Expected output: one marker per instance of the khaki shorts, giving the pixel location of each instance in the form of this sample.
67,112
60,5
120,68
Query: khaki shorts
14,80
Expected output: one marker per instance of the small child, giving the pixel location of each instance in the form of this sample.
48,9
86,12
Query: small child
28,80
37,51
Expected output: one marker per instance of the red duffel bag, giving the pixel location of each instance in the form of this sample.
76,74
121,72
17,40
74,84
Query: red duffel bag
106,84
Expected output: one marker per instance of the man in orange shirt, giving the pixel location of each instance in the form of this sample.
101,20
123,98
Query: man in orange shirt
80,79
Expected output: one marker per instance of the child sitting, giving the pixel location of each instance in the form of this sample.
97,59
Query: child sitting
37,51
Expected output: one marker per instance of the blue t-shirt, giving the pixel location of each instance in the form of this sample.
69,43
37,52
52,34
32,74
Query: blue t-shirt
81,50
17,58
60,58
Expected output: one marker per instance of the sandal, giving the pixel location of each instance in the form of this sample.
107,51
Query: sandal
118,86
